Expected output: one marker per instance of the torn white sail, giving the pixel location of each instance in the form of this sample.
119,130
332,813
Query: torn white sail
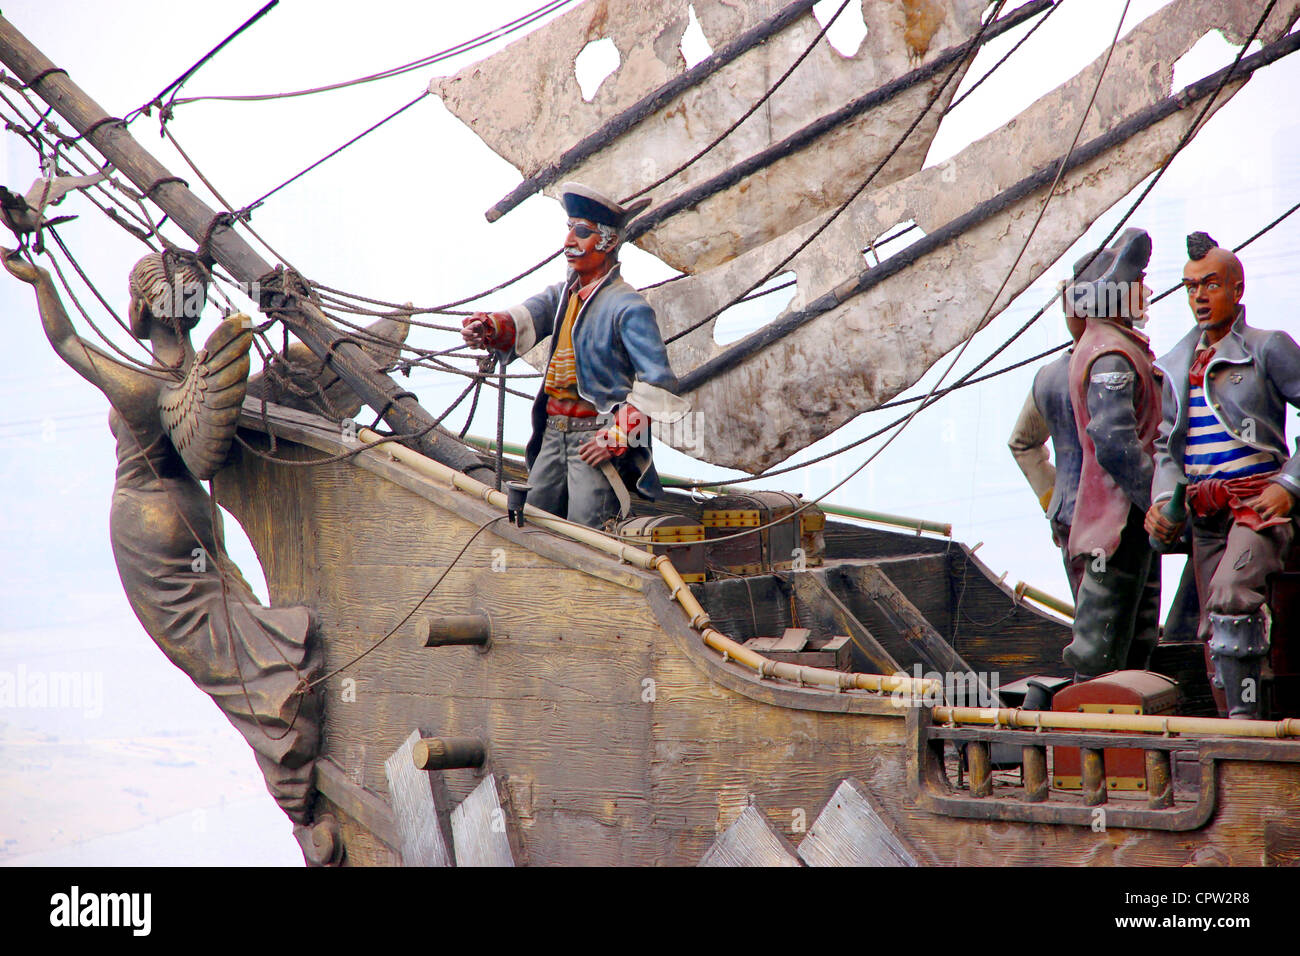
525,102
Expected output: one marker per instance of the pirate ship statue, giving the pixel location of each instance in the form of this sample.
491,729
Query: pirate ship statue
735,680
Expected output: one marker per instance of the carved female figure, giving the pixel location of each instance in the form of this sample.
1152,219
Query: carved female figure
174,422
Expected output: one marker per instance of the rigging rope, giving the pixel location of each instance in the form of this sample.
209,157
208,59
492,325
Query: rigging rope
465,46
176,84
704,151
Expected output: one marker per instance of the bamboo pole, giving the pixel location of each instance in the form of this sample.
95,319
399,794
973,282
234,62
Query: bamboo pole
699,618
1127,723
1064,608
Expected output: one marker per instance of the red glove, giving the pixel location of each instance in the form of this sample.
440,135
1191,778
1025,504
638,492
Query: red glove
629,430
491,330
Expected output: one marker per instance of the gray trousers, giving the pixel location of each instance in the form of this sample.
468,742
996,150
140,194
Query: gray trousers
1233,563
567,486
1117,614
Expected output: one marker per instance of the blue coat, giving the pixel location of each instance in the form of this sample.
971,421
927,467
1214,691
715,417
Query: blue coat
620,357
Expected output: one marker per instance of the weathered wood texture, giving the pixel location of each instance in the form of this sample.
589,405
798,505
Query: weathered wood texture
849,832
994,632
420,808
618,738
819,605
751,841
480,828
368,826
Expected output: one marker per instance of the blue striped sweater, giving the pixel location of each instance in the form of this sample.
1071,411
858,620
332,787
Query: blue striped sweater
1213,451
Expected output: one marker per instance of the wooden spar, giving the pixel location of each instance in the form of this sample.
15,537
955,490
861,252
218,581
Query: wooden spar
778,329
352,364
648,106
805,137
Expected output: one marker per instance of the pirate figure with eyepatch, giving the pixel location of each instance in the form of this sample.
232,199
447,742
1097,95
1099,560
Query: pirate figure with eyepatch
1116,397
607,376
1226,391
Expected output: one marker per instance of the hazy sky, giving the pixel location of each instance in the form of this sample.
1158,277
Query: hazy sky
399,217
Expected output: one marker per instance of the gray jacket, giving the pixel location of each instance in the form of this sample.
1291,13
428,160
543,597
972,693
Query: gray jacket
1250,381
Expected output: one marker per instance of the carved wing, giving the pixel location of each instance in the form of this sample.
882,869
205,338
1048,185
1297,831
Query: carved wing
200,414
299,381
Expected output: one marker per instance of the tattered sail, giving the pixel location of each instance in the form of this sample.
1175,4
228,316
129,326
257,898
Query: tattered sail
526,103
852,337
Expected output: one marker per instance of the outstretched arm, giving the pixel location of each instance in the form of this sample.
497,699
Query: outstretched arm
96,367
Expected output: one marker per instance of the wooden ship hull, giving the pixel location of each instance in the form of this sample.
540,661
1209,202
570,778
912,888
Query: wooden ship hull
612,734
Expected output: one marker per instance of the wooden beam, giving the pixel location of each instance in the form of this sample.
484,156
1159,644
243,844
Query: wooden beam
751,841
850,832
348,360
367,808
917,631
813,590
482,830
421,808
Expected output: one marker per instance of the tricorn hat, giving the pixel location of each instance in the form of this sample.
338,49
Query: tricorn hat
1123,262
583,202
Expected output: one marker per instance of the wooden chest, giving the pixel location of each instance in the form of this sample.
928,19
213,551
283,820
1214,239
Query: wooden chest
797,646
674,535
1121,692
780,545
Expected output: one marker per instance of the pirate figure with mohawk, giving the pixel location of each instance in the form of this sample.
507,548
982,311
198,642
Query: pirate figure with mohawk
1226,391
607,375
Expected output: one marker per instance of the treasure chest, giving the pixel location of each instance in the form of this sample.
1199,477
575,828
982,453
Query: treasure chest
780,545
1121,692
674,535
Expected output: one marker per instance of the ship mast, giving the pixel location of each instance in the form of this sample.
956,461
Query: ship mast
399,408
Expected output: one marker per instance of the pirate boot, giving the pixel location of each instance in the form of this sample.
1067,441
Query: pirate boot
1238,643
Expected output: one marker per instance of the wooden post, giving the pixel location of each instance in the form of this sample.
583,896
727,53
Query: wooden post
447,753
751,841
981,775
851,831
1160,781
1094,776
1034,773
457,629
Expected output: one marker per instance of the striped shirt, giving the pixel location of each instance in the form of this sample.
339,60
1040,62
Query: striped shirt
1213,451
562,373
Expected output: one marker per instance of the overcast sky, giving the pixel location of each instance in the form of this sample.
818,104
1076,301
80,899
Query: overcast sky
399,217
